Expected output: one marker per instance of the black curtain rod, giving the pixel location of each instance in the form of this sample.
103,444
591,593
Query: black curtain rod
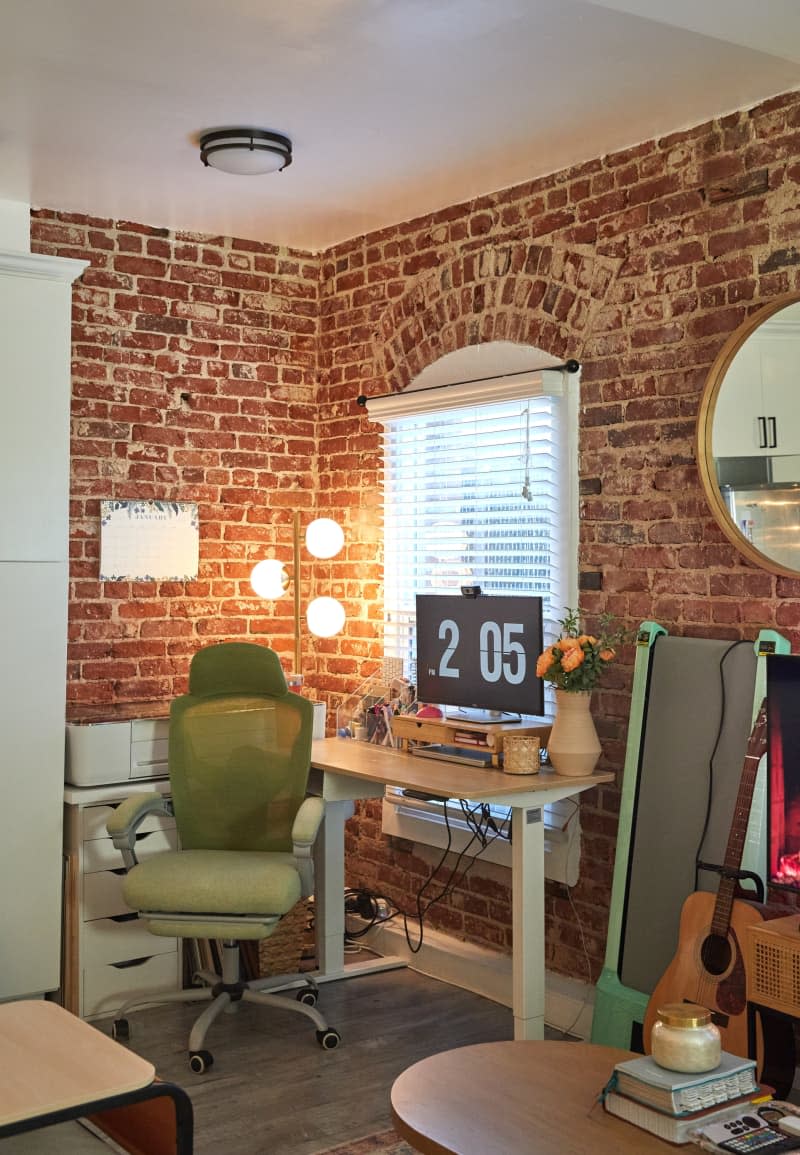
570,366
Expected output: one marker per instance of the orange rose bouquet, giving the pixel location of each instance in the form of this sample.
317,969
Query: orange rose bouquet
577,660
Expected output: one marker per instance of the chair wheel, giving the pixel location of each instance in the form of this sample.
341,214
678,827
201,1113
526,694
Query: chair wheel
329,1039
200,1061
120,1029
308,997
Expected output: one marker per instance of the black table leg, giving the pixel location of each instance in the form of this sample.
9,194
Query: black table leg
777,1030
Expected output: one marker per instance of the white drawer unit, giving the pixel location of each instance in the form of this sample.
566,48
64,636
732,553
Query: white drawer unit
110,955
102,854
104,988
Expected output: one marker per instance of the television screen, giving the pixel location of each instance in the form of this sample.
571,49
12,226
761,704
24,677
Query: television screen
783,760
480,653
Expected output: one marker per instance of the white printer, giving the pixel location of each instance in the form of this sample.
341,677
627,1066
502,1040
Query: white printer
116,743
126,742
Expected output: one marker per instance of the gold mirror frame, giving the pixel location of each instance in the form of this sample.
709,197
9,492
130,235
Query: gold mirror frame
705,422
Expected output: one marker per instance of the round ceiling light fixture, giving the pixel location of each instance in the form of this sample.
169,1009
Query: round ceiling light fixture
245,151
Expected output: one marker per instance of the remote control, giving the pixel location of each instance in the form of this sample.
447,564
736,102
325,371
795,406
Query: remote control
765,1141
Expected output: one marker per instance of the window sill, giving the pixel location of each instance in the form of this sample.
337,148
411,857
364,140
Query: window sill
423,822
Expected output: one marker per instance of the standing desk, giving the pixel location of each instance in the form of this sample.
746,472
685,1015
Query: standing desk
343,770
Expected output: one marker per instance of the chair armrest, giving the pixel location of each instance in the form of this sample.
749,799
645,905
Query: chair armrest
306,825
307,821
128,817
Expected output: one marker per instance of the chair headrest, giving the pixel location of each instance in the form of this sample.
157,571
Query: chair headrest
236,668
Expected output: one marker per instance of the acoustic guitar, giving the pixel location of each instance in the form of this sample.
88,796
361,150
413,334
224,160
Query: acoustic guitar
708,967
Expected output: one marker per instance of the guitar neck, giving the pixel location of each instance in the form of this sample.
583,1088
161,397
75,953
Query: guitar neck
741,813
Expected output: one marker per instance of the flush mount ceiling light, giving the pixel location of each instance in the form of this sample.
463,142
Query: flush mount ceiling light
245,151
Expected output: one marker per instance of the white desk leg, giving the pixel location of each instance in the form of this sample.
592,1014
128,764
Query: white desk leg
527,882
329,889
329,902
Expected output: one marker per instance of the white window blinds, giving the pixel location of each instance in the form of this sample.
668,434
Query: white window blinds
478,489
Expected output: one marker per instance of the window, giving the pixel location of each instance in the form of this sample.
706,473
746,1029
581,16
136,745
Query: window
480,485
479,489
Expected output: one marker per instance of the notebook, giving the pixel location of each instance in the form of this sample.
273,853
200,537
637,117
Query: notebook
673,1128
677,1093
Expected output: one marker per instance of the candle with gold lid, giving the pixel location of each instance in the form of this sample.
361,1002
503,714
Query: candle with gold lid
685,1039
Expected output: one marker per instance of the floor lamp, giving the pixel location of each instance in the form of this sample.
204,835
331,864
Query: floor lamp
325,616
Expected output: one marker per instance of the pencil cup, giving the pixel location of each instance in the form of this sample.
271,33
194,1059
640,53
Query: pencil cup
520,754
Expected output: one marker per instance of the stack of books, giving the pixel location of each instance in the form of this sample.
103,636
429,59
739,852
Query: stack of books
671,1104
469,738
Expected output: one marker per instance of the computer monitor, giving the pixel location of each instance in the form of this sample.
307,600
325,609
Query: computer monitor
476,656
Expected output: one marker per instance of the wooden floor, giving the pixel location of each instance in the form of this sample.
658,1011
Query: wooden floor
273,1091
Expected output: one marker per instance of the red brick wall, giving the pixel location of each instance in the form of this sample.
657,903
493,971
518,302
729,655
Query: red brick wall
193,379
226,372
640,265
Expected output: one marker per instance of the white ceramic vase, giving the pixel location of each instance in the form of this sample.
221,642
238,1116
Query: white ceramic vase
573,747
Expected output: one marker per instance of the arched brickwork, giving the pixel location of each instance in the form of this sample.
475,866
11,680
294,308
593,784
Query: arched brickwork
527,293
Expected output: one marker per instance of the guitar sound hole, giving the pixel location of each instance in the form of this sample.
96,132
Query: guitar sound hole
715,954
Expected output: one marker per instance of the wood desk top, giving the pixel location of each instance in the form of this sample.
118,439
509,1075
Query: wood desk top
447,779
52,1060
516,1098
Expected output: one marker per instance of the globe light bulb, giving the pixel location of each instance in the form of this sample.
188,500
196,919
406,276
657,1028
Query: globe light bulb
324,537
268,578
325,617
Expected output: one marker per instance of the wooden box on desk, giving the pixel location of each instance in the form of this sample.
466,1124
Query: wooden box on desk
773,964
469,735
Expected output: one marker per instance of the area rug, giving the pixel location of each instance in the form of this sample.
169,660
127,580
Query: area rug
382,1143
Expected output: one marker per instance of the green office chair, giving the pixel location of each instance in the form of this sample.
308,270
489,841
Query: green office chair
239,755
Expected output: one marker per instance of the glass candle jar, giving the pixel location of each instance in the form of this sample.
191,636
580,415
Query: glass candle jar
684,1038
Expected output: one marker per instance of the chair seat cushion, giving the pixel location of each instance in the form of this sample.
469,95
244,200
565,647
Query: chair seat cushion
226,882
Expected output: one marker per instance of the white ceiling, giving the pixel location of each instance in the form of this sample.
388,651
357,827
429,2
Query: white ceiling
395,107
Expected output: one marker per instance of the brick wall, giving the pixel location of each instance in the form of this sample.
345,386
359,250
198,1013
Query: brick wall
193,379
226,372
640,265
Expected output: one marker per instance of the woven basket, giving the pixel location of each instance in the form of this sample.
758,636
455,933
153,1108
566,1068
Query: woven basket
520,754
282,952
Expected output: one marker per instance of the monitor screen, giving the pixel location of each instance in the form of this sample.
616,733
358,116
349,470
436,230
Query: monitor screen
480,653
783,761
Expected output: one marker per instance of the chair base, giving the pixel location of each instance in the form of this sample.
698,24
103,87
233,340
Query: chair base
224,993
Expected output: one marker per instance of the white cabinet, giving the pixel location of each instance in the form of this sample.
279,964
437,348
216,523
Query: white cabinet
113,957
758,408
34,630
34,432
35,299
781,395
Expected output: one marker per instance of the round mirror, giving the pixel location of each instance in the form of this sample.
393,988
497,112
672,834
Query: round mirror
748,437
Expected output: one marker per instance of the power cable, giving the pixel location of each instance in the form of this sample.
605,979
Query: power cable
484,828
712,755
568,1030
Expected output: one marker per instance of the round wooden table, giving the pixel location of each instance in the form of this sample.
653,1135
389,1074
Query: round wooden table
516,1098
